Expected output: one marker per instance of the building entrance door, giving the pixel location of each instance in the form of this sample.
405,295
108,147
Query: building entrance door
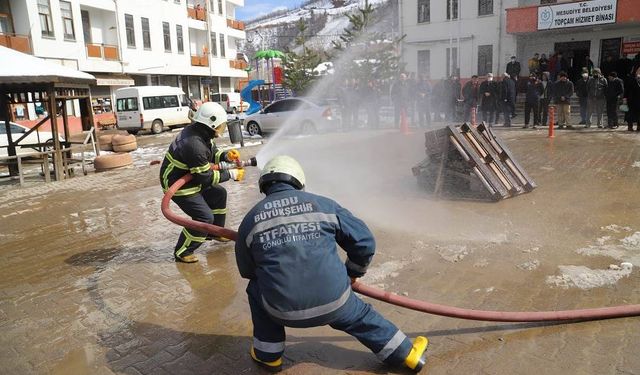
576,54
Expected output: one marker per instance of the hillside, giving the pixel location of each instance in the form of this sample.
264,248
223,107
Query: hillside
325,19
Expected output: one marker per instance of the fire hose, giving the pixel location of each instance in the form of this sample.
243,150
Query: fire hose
405,302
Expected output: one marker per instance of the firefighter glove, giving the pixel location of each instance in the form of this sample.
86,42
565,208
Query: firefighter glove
237,174
233,155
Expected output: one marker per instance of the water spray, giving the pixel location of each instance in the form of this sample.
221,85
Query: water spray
413,304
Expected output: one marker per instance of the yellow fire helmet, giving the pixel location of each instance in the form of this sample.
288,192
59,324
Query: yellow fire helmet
282,168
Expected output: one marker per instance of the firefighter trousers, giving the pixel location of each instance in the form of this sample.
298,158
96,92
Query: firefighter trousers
208,206
355,317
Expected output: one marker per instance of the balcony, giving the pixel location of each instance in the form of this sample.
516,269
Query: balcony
235,24
238,64
20,43
197,13
197,60
102,51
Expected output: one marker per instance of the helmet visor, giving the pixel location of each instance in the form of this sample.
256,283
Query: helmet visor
220,129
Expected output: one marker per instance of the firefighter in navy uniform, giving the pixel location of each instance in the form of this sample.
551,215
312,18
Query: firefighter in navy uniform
287,249
202,198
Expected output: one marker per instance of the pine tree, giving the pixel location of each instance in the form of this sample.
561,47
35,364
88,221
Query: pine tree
363,53
298,67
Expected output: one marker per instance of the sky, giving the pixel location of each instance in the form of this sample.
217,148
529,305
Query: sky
255,8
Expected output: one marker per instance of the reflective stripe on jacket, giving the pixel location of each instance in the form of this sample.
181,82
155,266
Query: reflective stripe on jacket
288,244
192,152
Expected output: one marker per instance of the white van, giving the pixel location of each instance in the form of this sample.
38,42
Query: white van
151,107
231,101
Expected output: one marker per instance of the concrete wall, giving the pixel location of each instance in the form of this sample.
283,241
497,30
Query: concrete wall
470,29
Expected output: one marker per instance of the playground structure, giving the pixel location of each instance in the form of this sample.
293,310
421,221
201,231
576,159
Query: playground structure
264,84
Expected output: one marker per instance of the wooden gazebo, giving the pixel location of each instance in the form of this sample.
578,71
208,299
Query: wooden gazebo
28,79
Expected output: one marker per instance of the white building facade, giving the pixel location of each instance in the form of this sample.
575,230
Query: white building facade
189,44
455,37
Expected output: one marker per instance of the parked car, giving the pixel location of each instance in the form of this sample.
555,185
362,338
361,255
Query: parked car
151,107
231,101
306,115
27,145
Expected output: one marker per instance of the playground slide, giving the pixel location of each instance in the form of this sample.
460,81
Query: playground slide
246,96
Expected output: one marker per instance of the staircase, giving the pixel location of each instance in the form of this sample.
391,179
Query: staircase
281,92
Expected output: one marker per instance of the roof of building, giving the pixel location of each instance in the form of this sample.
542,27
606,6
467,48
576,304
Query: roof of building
18,67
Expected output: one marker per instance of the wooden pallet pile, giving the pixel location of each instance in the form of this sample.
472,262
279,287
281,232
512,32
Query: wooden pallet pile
470,162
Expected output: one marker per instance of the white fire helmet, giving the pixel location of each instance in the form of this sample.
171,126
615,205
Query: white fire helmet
282,168
212,115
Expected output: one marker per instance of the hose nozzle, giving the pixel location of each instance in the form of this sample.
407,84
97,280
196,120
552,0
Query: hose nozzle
223,165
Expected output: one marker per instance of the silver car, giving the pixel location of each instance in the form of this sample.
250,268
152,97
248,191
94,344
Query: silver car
300,115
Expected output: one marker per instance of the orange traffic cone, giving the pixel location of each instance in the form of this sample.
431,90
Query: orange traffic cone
404,123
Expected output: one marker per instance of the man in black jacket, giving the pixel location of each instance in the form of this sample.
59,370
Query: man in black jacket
614,92
583,93
532,101
470,96
632,94
545,97
562,92
508,98
489,96
400,97
203,198
596,88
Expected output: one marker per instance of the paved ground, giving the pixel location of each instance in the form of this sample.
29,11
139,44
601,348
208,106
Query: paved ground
88,284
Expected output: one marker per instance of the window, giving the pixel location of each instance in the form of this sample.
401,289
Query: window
452,9
222,50
86,26
167,36
67,20
159,102
184,101
127,104
46,24
15,129
485,7
179,39
424,11
424,62
131,36
146,33
214,50
485,59
452,61
220,7
6,26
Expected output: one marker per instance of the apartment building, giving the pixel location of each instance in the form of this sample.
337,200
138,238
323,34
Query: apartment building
183,43
445,37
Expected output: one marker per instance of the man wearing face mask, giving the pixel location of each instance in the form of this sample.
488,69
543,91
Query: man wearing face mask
632,94
582,92
596,88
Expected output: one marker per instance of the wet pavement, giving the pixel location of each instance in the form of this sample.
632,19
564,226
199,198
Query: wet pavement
89,286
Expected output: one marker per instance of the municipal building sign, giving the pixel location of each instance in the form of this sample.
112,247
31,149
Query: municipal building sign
583,13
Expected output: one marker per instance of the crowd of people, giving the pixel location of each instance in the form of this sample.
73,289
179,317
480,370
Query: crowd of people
608,90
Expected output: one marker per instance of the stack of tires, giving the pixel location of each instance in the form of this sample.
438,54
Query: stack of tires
121,144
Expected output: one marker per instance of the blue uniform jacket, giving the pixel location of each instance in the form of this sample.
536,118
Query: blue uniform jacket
287,244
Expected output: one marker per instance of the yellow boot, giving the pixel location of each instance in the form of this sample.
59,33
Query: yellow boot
417,358
274,366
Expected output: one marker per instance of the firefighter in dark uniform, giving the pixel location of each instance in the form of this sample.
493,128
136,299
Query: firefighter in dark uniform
202,198
287,248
